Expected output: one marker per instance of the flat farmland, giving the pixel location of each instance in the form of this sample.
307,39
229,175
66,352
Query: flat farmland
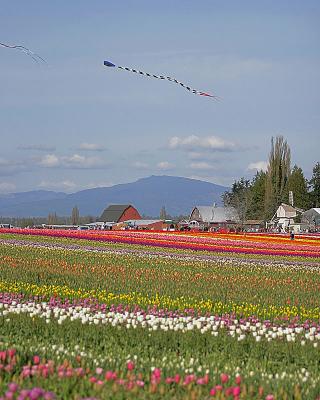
159,315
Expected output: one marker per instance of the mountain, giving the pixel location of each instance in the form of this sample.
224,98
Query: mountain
148,195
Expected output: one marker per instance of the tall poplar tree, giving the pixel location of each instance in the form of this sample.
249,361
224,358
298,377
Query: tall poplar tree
278,173
75,216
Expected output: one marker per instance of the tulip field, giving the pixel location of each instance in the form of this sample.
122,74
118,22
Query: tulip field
159,315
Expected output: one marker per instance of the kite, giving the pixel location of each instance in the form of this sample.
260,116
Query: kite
168,78
25,50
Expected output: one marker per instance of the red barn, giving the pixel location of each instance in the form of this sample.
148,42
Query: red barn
119,213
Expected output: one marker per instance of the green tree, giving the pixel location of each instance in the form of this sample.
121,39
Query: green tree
277,175
298,184
258,187
239,198
75,216
314,185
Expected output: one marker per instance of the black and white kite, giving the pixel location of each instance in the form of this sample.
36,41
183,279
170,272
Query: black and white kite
168,78
25,50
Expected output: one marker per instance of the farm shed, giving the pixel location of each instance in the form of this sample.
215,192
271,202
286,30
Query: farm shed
119,213
214,216
312,218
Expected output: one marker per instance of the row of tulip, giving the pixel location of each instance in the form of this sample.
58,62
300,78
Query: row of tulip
100,360
128,381
133,299
268,291
239,329
192,242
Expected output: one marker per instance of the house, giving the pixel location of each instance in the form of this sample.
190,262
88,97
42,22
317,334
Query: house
284,217
119,213
312,218
213,217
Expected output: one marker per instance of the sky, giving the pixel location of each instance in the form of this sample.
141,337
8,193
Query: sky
73,124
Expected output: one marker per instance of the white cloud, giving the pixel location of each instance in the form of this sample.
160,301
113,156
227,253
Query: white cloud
91,147
201,165
194,142
165,165
140,165
63,185
78,161
74,161
49,161
7,187
258,166
93,185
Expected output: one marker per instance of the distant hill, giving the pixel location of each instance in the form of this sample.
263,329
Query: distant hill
148,195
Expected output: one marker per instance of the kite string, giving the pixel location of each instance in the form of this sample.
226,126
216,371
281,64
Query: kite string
25,50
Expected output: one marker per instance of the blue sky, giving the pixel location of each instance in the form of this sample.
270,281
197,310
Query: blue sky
75,124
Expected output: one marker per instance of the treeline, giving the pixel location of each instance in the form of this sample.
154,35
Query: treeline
260,197
52,219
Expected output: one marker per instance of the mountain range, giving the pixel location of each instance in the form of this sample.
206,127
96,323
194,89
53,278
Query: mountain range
178,195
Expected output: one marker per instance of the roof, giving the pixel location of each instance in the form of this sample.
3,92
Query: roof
217,214
142,222
313,210
287,208
113,212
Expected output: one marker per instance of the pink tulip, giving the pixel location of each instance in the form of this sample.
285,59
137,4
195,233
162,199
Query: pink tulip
224,378
110,375
36,359
130,365
236,391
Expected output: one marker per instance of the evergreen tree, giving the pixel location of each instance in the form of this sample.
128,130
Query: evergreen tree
314,184
75,216
299,187
258,187
277,175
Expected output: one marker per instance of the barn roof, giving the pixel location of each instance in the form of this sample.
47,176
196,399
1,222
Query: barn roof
217,214
113,212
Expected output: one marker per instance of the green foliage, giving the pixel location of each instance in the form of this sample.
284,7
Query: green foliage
277,175
297,183
239,197
258,186
314,183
